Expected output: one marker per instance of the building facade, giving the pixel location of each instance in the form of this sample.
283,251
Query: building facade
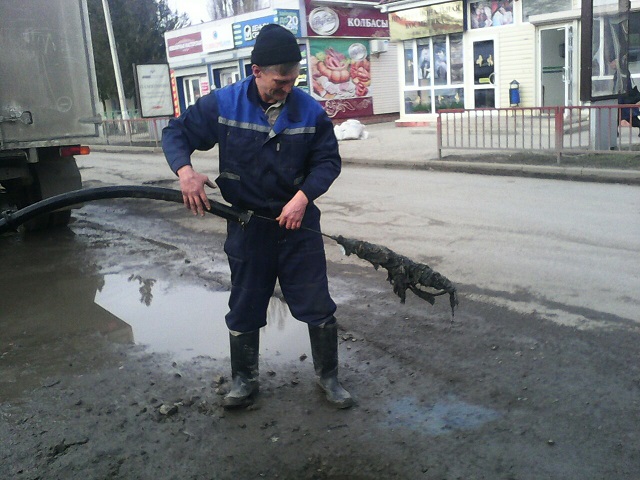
474,54
461,55
414,57
348,64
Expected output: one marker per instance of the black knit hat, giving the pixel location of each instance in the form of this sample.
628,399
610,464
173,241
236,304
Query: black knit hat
275,45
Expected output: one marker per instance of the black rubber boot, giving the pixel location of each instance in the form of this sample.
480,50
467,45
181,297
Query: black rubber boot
324,349
244,369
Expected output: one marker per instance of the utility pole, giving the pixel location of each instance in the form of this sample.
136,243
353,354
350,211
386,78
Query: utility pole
116,63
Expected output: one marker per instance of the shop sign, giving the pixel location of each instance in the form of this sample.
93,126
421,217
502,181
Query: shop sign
204,86
289,19
174,94
154,89
440,19
341,77
303,77
245,33
346,22
184,44
217,39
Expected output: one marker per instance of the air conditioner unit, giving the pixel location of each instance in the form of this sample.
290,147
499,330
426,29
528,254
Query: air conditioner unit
377,45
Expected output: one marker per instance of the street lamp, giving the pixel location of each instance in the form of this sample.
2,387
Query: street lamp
116,63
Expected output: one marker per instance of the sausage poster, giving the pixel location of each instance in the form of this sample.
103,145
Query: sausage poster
340,69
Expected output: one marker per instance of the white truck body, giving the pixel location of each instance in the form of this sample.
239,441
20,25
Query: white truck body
48,97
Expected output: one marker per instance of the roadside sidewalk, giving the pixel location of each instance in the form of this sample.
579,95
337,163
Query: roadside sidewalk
416,148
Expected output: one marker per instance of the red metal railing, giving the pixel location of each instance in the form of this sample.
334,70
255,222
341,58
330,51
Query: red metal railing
551,130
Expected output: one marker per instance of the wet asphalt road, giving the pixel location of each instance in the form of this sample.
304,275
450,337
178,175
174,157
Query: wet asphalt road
548,245
564,250
546,265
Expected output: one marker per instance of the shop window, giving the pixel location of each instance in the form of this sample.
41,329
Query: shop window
606,46
450,98
433,66
608,36
456,67
424,62
417,101
409,69
440,61
485,98
634,47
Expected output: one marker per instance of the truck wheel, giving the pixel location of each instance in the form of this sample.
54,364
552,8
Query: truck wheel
51,176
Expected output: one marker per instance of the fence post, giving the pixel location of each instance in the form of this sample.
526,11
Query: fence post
559,129
439,135
153,126
128,130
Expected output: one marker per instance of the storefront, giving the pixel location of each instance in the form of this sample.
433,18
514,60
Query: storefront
186,50
214,54
459,55
352,69
432,73
351,64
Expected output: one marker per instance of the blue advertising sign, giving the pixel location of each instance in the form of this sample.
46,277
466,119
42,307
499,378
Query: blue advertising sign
289,19
245,33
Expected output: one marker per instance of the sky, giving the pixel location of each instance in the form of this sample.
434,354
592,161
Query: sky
196,9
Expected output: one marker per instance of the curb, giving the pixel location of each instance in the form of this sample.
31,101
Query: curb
585,174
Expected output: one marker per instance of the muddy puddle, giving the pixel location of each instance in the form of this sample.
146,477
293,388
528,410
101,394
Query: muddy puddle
60,313
187,320
446,415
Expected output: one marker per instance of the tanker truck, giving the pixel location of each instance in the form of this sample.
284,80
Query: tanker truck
48,102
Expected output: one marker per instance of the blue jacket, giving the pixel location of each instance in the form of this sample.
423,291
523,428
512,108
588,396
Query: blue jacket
261,168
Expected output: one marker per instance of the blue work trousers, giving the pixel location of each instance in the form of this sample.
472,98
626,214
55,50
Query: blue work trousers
261,252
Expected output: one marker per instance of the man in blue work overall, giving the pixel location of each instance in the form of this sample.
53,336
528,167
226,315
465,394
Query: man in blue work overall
278,153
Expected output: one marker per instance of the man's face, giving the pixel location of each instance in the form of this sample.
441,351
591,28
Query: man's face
274,86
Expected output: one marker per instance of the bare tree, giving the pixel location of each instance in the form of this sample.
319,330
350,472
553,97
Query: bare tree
139,27
227,8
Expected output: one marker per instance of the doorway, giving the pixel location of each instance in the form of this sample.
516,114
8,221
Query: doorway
191,86
484,76
556,66
229,76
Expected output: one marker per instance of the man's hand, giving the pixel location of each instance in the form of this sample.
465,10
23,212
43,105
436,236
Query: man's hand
293,212
192,185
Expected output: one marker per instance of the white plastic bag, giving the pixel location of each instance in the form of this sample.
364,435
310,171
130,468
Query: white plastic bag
352,129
